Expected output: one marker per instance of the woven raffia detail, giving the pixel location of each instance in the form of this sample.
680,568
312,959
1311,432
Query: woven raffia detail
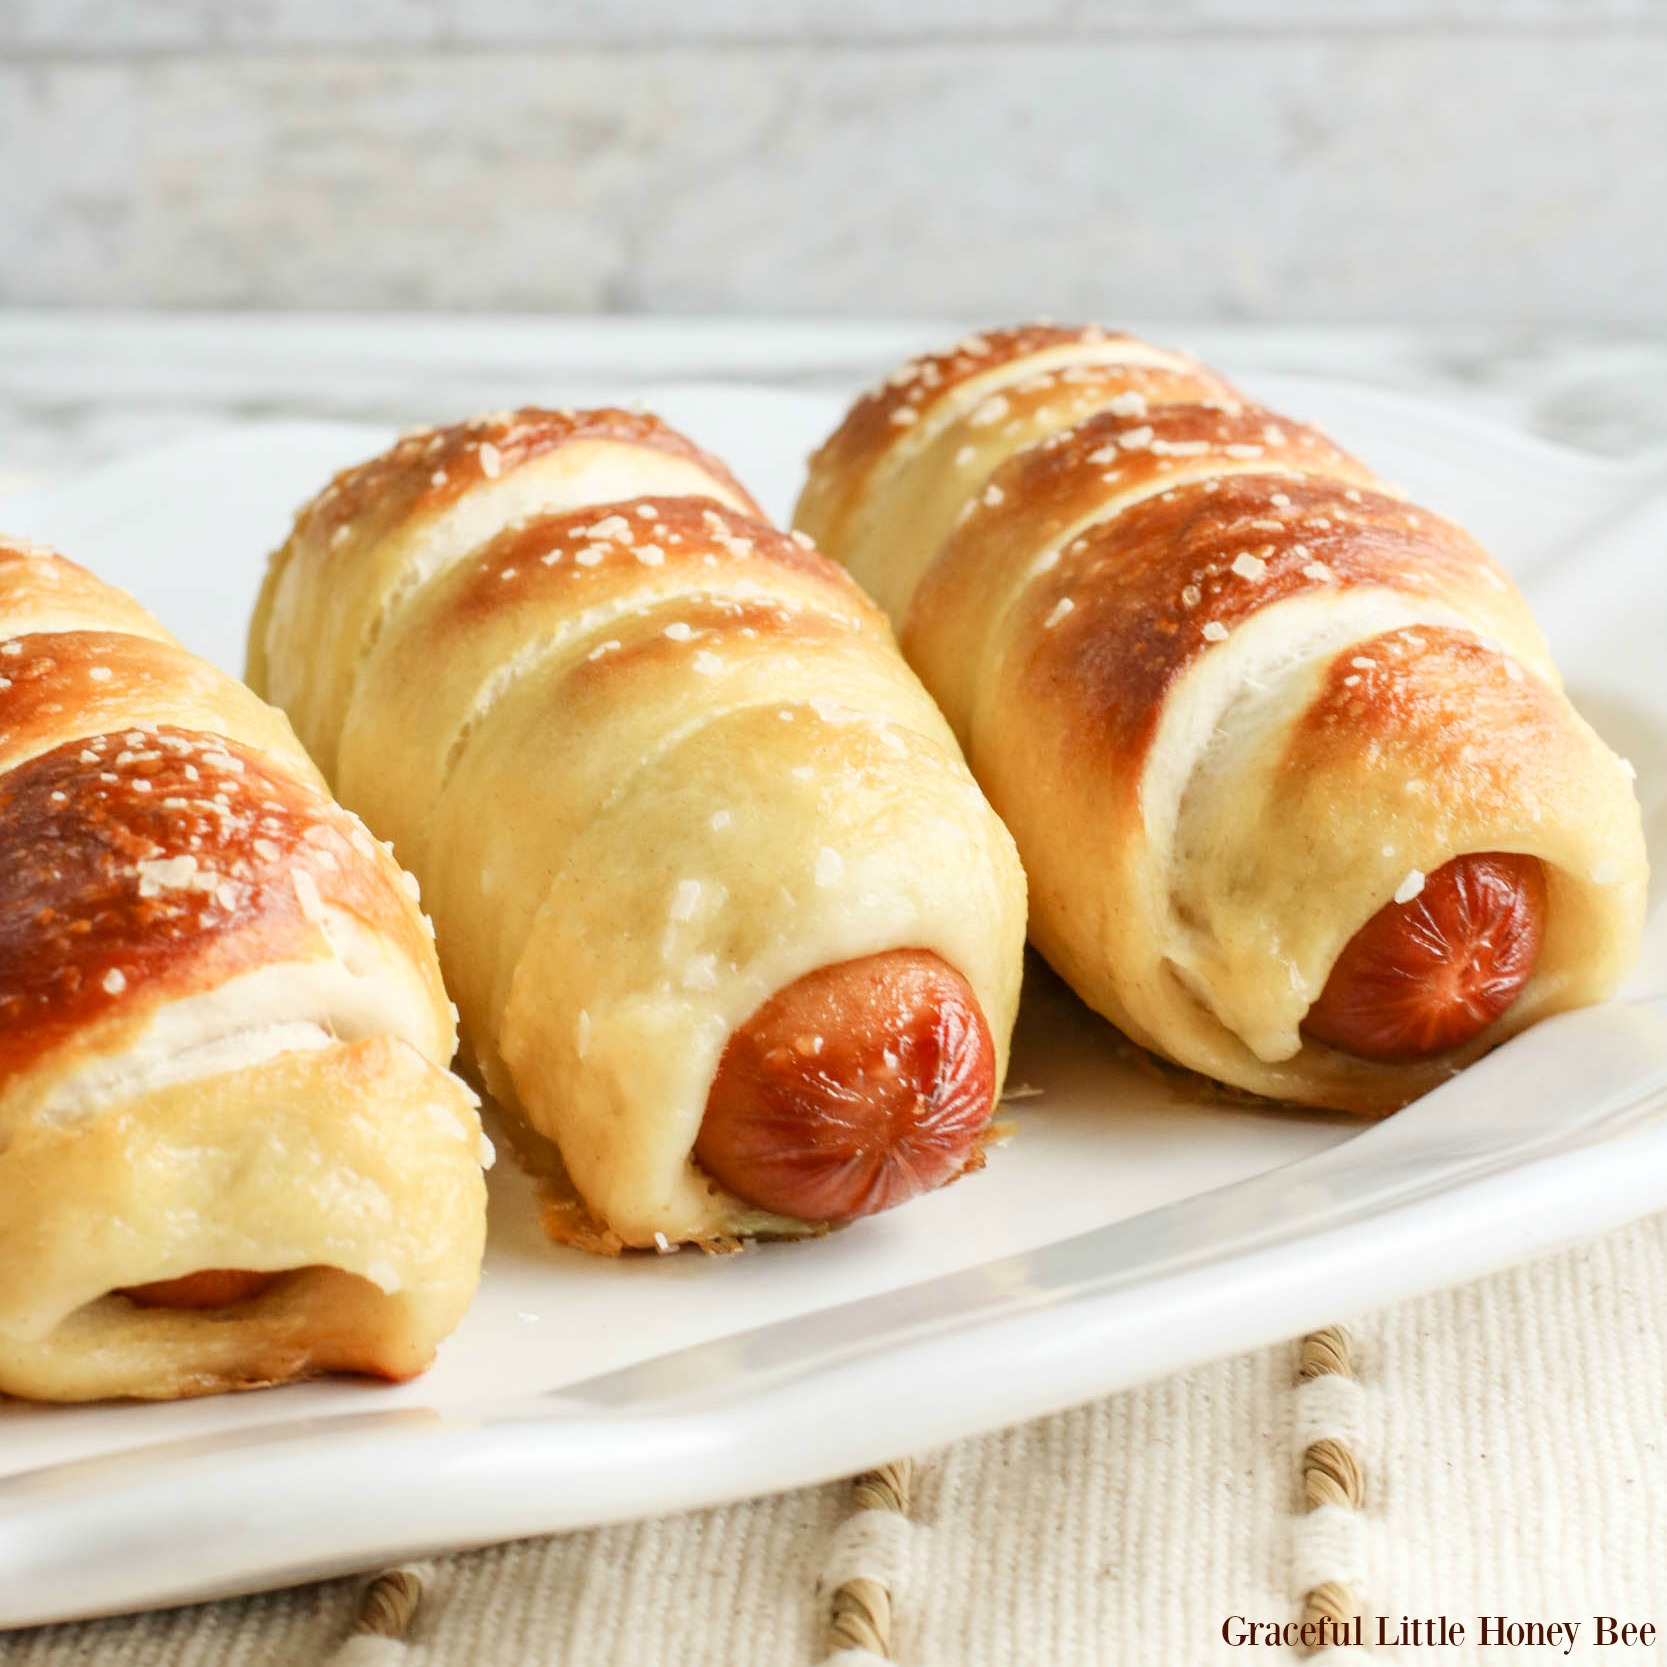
860,1609
1330,1475
1331,1602
885,1489
1323,1351
861,1618
390,1604
1331,1470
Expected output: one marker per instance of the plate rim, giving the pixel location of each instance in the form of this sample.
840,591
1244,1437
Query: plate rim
461,1443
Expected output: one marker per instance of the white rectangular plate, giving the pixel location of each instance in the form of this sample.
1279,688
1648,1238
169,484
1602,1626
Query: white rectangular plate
1056,1274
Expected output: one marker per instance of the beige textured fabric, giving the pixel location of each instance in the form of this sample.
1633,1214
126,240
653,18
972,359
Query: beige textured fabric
1511,1434
1519,1455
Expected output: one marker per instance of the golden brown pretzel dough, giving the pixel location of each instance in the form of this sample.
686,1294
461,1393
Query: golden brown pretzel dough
223,1036
653,760
1229,692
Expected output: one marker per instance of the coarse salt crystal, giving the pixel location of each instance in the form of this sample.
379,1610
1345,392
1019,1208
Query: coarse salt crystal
306,894
1215,631
1248,566
1410,887
160,874
1058,611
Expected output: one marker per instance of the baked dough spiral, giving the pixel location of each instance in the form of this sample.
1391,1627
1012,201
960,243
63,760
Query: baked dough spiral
726,916
230,1152
1235,699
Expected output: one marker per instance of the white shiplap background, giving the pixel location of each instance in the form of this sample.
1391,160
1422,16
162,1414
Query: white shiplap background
1419,162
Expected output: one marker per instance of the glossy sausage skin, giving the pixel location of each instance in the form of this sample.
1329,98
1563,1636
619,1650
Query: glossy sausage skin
856,1088
1434,972
212,1288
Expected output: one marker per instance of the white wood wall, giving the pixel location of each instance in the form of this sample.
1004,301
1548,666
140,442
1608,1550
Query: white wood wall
1455,162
